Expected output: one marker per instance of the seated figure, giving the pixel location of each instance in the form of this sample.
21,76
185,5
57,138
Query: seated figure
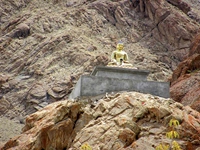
119,57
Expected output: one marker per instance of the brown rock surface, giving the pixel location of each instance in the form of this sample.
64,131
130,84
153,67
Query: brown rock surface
129,120
4,105
54,119
66,42
195,46
46,46
185,87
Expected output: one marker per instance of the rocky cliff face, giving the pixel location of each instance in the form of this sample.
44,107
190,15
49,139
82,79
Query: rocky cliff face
129,121
185,80
46,45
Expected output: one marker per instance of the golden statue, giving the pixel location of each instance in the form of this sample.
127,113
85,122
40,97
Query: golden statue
119,57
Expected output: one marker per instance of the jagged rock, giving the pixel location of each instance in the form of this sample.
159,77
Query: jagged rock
186,67
59,125
65,42
185,7
43,104
168,26
194,15
100,60
102,123
160,112
78,58
161,14
126,136
37,107
38,91
8,6
75,40
3,79
4,105
185,87
4,84
195,45
22,30
68,125
196,105
34,101
60,90
83,120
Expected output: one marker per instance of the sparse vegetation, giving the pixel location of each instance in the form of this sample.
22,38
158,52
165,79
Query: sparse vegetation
172,134
85,146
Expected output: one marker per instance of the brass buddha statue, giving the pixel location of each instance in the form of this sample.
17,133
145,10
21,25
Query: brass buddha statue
119,57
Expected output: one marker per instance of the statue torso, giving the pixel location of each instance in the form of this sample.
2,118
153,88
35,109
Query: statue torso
120,55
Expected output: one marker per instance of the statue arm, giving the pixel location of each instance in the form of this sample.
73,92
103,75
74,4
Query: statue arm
126,57
113,57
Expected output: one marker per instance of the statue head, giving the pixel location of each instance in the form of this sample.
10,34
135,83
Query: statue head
120,46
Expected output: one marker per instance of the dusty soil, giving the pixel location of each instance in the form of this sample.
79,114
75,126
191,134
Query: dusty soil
9,129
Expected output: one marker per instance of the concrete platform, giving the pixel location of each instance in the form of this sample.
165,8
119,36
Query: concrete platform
89,85
120,73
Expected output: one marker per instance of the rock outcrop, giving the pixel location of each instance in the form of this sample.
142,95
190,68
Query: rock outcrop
121,121
170,27
185,80
44,48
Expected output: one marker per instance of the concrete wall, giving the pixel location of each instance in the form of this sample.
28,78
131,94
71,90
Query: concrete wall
95,85
120,73
77,90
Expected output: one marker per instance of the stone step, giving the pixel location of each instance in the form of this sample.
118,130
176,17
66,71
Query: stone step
120,73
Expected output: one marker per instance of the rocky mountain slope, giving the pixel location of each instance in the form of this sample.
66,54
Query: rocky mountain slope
46,45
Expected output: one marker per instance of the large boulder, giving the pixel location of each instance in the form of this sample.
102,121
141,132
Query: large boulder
21,31
185,87
55,123
129,120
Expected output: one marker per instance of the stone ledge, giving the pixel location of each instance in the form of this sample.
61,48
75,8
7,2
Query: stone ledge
120,73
